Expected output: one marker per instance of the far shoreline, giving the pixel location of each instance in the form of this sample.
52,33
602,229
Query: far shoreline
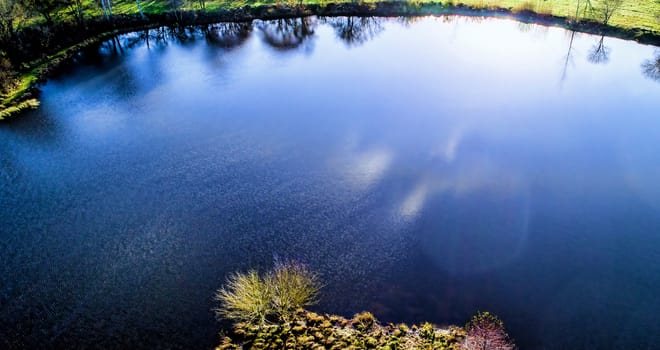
25,96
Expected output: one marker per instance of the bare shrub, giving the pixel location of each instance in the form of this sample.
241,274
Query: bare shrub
607,9
486,332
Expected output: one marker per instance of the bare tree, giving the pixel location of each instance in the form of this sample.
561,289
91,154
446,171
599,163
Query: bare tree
584,7
106,6
139,6
175,7
486,332
607,9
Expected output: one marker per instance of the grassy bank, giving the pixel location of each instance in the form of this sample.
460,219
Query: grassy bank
642,15
314,331
632,14
637,20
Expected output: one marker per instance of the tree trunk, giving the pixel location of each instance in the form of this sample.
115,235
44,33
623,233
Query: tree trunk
48,17
105,10
139,5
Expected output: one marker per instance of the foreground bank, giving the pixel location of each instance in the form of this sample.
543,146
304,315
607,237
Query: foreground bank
268,311
310,330
30,59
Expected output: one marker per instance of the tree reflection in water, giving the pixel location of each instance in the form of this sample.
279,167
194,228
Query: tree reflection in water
599,53
568,58
288,33
183,35
159,36
407,21
148,36
227,35
651,67
355,31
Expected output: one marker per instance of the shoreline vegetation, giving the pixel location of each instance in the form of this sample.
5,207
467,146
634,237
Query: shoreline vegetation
267,311
40,38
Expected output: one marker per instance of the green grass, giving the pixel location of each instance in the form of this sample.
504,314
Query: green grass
17,108
634,14
10,103
17,100
13,101
24,83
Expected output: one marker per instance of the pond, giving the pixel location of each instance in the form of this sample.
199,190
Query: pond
427,167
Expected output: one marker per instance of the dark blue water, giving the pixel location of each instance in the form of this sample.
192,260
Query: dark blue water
428,168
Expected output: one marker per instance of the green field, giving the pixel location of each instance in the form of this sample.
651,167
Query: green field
633,14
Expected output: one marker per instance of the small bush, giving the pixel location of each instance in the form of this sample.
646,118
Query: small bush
293,286
248,297
245,298
426,331
7,74
364,321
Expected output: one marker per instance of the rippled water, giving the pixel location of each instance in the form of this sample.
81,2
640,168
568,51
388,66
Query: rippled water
427,167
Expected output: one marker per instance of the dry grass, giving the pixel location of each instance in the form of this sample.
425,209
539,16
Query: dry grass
245,298
293,286
251,298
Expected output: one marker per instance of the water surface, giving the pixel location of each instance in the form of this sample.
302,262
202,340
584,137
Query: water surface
427,167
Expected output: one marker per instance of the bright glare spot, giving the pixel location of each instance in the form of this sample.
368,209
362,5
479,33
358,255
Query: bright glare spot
369,167
447,150
413,204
